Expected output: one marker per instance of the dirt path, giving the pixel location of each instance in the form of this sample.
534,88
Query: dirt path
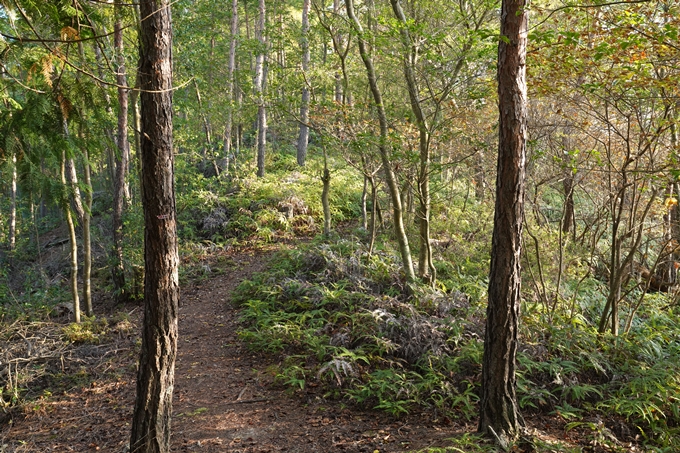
224,397
225,400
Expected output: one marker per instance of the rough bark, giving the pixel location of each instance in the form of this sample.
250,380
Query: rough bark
499,411
155,377
303,137
121,162
392,183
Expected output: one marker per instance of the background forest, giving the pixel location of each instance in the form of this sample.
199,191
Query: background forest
383,214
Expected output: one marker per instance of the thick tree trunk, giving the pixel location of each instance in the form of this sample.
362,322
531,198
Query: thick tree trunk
303,138
392,184
121,162
259,89
499,412
155,377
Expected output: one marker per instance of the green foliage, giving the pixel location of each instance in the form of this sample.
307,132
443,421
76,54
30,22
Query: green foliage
90,330
634,378
333,311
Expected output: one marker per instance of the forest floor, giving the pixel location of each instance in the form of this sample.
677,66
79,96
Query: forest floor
225,399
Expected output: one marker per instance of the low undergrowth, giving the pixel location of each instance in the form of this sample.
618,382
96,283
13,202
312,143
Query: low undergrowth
341,319
48,357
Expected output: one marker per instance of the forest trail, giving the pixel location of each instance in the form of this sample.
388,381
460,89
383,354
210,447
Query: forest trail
225,400
224,397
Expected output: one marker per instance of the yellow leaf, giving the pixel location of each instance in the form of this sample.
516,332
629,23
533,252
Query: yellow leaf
68,33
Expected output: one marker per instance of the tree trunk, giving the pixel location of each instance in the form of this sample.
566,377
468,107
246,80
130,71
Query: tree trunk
390,177
568,186
155,377
364,204
259,89
137,127
374,214
121,162
110,158
337,38
87,242
72,178
426,268
207,154
499,412
231,83
73,244
303,138
13,205
325,196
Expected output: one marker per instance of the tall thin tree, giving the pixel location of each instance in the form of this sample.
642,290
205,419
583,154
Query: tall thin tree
121,159
499,411
383,146
260,74
231,83
303,138
155,376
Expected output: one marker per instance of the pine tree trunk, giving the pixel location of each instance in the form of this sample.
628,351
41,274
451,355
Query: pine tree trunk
155,377
499,411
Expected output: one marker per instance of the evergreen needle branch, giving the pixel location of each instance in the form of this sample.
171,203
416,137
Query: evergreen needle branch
52,40
26,87
80,70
